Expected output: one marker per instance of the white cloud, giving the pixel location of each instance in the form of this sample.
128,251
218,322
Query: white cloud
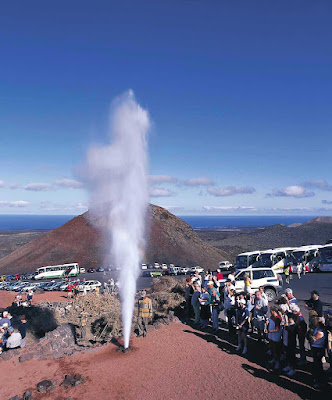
38,187
327,201
80,206
14,204
50,206
228,208
318,184
198,182
161,192
68,183
158,179
2,184
297,191
230,191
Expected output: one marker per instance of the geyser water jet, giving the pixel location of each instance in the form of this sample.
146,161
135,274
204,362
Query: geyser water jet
118,185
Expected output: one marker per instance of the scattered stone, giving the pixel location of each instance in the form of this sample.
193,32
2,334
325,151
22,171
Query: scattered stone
27,395
26,357
46,386
72,380
16,398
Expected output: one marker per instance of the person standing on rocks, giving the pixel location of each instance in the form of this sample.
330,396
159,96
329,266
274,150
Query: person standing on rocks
83,323
195,302
144,313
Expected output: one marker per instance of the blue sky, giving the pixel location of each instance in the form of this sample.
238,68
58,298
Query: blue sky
239,94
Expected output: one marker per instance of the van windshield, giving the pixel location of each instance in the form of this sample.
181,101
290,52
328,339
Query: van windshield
265,260
241,262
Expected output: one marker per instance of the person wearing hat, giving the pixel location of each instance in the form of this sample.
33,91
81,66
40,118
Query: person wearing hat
144,313
315,304
242,319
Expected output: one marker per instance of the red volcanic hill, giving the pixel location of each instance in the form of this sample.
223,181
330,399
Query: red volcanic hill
169,240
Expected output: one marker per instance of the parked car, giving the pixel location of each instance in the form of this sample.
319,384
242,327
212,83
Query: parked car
163,266
9,277
2,278
156,265
198,269
225,266
184,270
16,277
144,266
91,270
266,277
108,269
152,274
174,271
88,285
82,270
100,269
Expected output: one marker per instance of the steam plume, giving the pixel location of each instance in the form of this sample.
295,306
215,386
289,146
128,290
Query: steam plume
118,183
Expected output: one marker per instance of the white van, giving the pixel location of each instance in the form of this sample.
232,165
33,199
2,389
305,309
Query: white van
174,271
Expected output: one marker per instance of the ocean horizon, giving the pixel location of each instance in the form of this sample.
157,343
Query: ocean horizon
48,222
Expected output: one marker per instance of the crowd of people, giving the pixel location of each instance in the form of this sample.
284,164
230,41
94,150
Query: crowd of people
280,327
13,331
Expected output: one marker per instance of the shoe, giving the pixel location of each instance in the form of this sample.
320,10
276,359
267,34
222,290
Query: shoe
144,334
277,365
238,348
291,373
244,351
286,369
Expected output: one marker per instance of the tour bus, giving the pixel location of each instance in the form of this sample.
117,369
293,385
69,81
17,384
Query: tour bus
246,260
325,258
308,255
275,258
57,271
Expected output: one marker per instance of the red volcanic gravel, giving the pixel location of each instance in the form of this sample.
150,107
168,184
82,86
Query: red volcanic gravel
6,298
174,362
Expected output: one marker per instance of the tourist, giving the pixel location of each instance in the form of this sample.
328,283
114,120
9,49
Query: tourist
189,291
317,341
22,327
289,342
219,276
231,276
264,297
144,313
290,297
5,319
274,336
216,308
230,310
247,283
30,297
242,318
70,288
259,314
14,339
299,270
205,314
301,331
315,304
195,302
287,272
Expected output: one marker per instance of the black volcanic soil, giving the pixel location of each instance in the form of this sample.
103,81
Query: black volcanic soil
11,240
169,240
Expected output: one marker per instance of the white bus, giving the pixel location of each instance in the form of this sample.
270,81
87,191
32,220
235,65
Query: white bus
325,258
246,260
307,255
57,271
275,258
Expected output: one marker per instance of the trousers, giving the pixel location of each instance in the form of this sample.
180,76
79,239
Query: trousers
142,323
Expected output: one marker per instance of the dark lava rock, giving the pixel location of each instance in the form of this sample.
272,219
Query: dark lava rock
16,398
45,386
27,395
72,380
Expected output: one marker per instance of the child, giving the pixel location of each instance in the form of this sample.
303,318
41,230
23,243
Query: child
289,340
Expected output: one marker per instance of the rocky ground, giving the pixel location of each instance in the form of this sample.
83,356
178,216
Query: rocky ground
10,240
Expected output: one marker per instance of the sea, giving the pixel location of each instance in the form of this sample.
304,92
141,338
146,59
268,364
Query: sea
48,222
